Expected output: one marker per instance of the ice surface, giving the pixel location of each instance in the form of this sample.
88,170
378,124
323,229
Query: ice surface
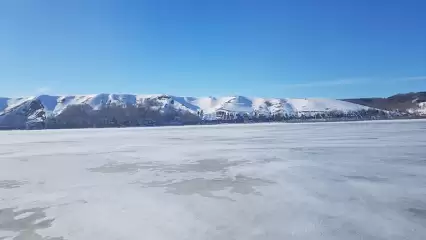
363,180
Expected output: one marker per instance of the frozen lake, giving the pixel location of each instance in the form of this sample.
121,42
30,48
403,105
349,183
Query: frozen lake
360,180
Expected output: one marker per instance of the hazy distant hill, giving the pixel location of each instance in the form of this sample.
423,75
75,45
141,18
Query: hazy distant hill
414,102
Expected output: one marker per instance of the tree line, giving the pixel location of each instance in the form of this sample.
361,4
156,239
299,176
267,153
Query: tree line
150,112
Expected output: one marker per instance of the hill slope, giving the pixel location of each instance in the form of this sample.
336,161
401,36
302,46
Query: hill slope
238,104
21,113
414,103
83,108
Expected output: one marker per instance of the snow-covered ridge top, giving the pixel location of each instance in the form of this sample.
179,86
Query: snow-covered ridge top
56,104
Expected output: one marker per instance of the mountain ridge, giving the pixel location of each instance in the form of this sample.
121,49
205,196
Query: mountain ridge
412,102
236,103
100,109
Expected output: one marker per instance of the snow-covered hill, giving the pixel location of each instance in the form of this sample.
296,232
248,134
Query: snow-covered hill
413,103
209,105
19,112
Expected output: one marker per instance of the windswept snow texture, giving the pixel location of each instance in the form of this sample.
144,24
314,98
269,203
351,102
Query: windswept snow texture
363,180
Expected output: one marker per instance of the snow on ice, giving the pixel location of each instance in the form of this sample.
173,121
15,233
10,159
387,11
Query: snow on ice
363,180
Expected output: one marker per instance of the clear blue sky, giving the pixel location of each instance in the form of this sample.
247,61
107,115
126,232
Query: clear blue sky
303,48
